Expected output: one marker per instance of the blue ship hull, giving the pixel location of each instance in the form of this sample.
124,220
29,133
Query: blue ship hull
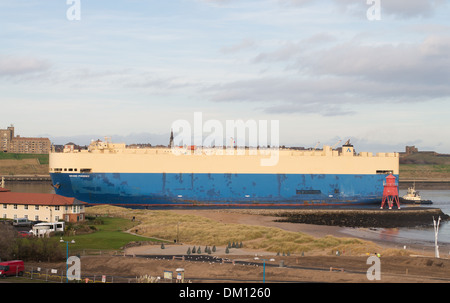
220,190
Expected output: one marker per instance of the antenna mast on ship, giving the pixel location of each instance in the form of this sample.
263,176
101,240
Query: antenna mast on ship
316,146
336,144
171,139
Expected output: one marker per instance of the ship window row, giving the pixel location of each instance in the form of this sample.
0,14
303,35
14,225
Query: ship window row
64,169
82,170
385,172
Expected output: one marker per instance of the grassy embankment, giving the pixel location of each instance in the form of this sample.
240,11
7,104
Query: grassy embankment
113,229
110,232
23,164
198,230
424,166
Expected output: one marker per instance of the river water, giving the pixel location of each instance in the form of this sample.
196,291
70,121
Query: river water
440,198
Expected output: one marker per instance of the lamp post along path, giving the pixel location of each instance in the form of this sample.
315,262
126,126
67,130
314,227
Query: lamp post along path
67,256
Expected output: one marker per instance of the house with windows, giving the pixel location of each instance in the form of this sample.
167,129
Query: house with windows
40,207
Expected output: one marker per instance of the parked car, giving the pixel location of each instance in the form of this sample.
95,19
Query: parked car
22,222
12,268
24,234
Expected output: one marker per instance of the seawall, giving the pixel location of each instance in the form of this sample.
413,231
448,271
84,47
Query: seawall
376,218
26,178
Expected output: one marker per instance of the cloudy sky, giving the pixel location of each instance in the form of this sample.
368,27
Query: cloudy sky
324,69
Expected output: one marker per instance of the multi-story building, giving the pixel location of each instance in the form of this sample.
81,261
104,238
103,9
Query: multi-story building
23,145
6,136
40,207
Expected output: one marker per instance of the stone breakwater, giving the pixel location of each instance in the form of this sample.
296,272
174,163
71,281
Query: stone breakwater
377,218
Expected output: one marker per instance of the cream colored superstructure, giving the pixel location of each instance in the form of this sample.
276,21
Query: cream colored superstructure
104,157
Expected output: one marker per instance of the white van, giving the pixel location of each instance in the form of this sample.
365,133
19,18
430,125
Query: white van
22,222
44,229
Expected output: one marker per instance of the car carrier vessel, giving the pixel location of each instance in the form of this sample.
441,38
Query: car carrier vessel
111,173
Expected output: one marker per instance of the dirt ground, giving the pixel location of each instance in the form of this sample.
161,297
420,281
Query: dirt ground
417,265
340,269
23,167
294,269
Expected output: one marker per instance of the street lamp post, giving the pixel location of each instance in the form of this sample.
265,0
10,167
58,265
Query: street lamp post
264,270
67,256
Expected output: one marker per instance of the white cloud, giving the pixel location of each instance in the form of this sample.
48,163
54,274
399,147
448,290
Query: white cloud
411,8
244,44
15,66
397,8
425,62
326,78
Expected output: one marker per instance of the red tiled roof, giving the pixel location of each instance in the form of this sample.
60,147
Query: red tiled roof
36,199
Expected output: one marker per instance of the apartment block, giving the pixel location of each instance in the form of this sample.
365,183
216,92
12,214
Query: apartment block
22,145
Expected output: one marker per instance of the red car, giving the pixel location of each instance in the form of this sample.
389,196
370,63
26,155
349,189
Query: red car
24,234
11,268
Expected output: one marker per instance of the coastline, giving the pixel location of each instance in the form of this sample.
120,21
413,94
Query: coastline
382,237
388,239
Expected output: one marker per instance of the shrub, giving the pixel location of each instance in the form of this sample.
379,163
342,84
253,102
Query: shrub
38,249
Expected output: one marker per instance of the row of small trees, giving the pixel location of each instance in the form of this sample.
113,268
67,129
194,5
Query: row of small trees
234,245
209,250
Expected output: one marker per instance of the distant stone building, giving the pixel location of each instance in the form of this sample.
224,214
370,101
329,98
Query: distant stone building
23,145
411,150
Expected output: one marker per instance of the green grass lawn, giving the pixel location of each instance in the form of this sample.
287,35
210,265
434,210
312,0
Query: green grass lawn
423,171
43,158
110,235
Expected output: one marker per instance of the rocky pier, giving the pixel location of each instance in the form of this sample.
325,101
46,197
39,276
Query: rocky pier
376,218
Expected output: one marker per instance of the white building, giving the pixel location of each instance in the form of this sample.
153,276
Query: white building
40,207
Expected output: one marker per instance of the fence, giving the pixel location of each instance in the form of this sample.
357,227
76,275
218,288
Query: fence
96,252
56,275
59,276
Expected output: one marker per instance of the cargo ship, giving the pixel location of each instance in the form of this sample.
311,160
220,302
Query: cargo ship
112,173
